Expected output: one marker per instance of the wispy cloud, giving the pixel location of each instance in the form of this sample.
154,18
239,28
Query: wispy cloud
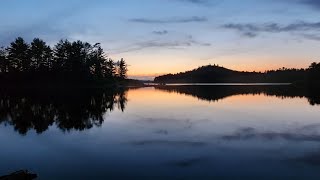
163,43
192,40
310,3
196,1
311,36
163,32
313,3
252,30
206,3
170,20
152,44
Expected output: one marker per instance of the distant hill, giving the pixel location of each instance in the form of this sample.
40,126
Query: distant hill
218,74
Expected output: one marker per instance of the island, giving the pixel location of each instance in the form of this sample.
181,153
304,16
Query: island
218,74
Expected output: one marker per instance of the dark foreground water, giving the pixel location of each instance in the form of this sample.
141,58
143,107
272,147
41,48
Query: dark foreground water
176,132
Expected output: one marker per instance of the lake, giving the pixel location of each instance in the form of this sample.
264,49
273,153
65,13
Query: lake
162,132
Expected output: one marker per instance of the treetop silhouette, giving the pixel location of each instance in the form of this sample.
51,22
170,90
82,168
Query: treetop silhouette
66,62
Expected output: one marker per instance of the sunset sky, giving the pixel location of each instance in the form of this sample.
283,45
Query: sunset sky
167,36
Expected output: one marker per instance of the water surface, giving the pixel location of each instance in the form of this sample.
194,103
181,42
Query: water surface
167,132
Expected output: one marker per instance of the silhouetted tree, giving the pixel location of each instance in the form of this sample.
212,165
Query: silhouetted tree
110,69
314,73
18,55
61,55
76,58
3,61
122,69
41,55
67,62
98,61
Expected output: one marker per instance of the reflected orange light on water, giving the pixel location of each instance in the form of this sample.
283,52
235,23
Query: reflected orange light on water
147,97
161,97
262,99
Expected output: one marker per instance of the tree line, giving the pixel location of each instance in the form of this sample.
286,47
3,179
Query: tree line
67,61
219,74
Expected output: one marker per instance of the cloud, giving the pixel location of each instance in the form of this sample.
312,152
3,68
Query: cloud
273,27
313,3
168,44
164,32
196,1
252,30
206,3
162,131
250,34
154,44
193,41
311,36
172,20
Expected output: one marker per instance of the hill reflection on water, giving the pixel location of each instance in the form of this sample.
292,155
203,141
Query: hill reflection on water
215,93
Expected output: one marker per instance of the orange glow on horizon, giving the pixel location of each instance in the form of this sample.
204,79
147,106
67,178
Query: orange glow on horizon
153,72
156,64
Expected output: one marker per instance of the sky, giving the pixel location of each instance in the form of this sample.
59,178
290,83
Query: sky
156,37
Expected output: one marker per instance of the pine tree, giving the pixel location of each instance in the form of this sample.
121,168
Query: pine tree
122,69
19,55
3,60
110,69
41,55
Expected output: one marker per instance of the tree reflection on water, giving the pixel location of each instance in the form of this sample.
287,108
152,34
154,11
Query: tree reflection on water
69,110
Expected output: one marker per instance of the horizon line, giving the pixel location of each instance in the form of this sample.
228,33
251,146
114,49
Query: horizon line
153,75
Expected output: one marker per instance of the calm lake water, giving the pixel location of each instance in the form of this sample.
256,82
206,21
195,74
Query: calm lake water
169,132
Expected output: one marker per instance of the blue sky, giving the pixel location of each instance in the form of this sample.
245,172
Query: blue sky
162,36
